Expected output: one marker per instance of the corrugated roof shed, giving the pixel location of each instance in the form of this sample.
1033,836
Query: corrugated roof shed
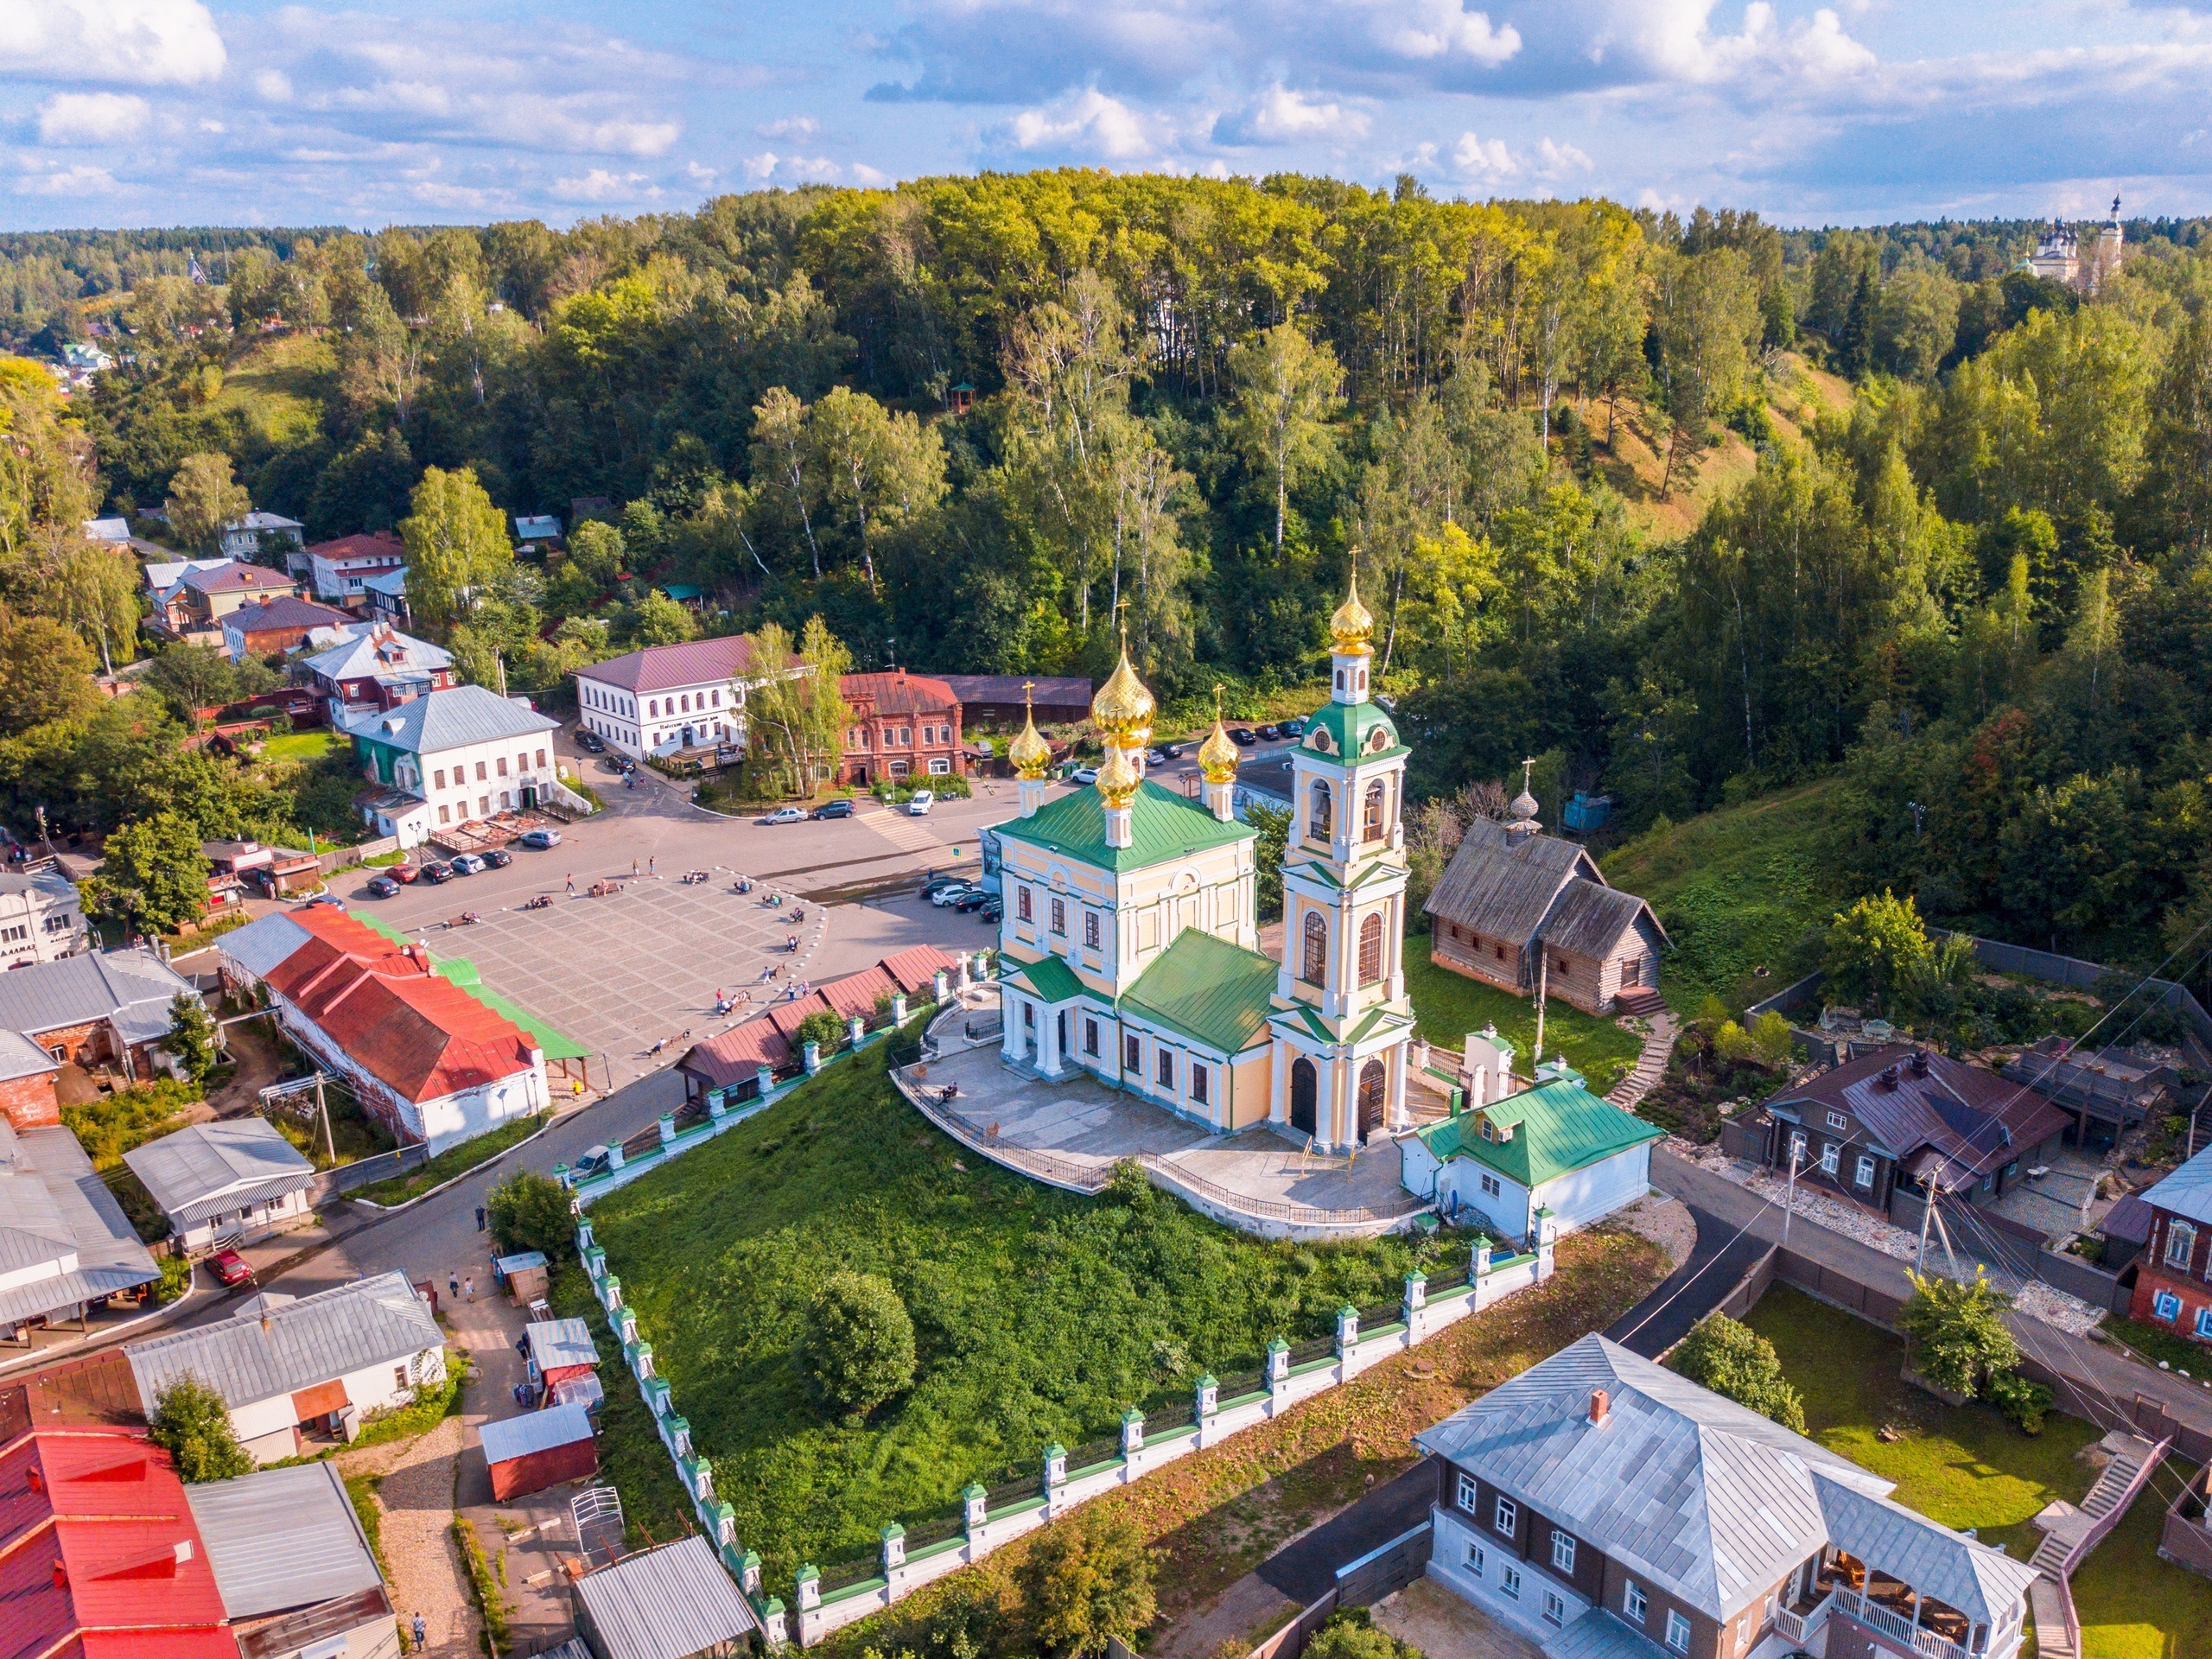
54,1186
1557,1128
132,988
283,1538
205,1168
668,1602
507,1438
369,1322
560,1342
1517,888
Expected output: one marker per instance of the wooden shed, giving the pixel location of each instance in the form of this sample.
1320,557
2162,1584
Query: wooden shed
538,1449
522,1275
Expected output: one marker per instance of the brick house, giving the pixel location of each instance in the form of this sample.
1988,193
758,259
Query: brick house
275,628
198,593
904,727
1602,1507
1523,909
98,1010
2173,1276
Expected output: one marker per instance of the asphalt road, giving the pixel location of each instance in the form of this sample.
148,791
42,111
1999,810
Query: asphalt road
1723,1256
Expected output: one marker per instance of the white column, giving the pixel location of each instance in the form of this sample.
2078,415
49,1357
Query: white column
1399,1057
1278,1059
1048,1041
1324,1107
1010,1017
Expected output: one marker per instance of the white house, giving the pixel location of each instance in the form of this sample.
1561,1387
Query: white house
41,917
1555,1147
339,570
243,538
234,1180
665,698
292,1367
450,756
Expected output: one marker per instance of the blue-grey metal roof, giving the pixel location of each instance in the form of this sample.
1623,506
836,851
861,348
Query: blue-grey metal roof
281,1539
560,1342
350,1328
519,1261
49,1190
1981,1582
508,1438
2187,1192
21,1057
668,1602
205,1168
1598,1635
132,988
1710,1501
451,719
372,649
259,946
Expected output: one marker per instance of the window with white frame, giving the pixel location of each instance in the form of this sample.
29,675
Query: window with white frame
1554,1608
940,767
1509,1580
1829,1155
1491,1187
1164,1068
1678,1630
1090,1037
1505,1517
1198,1083
1838,1121
1634,1604
1562,1551
1476,1560
1060,917
1021,904
1090,929
2204,1321
2166,1305
2181,1243
1864,1175
1468,1497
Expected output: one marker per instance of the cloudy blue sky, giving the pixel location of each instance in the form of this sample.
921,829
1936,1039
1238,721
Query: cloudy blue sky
168,111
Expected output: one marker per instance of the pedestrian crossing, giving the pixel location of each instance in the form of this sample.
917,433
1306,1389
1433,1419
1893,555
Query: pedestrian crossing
904,831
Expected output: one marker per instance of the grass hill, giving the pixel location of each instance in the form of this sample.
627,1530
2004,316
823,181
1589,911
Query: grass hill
1738,889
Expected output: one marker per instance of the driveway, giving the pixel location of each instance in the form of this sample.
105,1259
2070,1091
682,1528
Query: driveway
1724,1254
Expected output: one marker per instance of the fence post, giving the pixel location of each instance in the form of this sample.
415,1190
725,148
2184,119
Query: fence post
1347,1330
974,1508
726,1525
1416,1299
1547,1240
611,1293
894,1548
1056,1467
809,1588
583,1235
748,1574
644,1361
1278,1374
765,1081
716,1105
856,1029
667,1128
899,1009
678,1432
560,1174
1209,1397
810,1057
772,1616
615,1160
942,987
625,1319
1132,1433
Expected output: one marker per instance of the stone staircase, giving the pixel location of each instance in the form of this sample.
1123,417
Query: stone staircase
2048,1601
2070,1532
1641,1000
1651,1064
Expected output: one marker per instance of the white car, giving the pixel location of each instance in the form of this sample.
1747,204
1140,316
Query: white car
920,802
951,896
467,864
783,814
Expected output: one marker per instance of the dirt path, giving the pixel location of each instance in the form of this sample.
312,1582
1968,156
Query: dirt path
415,1495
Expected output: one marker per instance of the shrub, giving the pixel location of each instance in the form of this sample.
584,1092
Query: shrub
1084,1582
1874,949
192,1424
1770,1038
1959,1330
177,1279
1735,1361
1351,1634
823,1028
530,1211
192,1036
2021,1400
858,1345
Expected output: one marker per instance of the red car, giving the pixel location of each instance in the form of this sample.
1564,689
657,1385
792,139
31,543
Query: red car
230,1267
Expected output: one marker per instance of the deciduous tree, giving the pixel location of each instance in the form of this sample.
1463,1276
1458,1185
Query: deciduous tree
457,545
857,1346
1284,388
203,498
192,1424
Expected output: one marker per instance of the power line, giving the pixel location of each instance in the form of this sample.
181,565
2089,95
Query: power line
1765,1205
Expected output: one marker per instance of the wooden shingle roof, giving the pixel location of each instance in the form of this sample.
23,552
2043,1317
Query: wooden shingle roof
1522,887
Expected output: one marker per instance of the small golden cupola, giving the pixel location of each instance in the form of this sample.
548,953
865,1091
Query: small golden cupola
1123,708
1352,630
1217,756
1029,753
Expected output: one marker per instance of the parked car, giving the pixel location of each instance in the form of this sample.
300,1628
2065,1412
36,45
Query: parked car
539,841
974,899
783,814
944,896
498,857
1172,751
590,741
381,887
1294,727
231,1267
1086,774
329,899
596,1160
467,864
993,909
930,887
1155,756
405,874
833,809
920,802
1241,737
434,873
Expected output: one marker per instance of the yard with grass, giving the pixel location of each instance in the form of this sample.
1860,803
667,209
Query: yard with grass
299,746
454,1161
1038,1315
1967,1466
1738,889
1448,1005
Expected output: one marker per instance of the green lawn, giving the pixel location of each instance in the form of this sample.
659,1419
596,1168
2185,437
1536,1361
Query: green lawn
1737,889
1967,1467
1450,1005
299,746
454,1161
1039,1315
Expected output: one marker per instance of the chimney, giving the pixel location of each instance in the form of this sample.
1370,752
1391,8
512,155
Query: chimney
1888,1079
183,1551
264,1321
1919,1062
1600,1403
60,1574
35,1478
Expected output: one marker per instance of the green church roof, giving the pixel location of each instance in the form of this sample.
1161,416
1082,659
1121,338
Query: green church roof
1212,991
1163,826
1050,978
1352,728
1558,1127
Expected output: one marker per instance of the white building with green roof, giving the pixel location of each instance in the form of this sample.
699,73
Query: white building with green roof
1556,1146
1131,932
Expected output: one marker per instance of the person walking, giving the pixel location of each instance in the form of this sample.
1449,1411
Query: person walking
634,869
480,1218
572,887
453,1285
651,866
470,1283
421,1634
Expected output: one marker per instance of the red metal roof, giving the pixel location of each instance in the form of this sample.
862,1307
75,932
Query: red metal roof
667,668
916,967
772,1041
423,1035
375,544
898,693
99,1555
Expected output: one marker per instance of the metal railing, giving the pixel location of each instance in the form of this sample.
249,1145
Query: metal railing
1896,1625
1305,1215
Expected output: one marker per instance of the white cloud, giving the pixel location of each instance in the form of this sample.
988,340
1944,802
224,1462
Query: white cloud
600,185
93,118
274,85
161,42
1088,123
1433,29
794,169
699,174
67,181
1556,161
790,126
870,177
1280,116
1484,161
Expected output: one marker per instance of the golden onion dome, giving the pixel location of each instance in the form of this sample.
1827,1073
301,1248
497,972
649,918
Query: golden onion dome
1217,756
1029,753
1123,704
1117,779
1353,626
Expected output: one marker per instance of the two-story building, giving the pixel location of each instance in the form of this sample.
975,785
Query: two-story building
384,594
202,592
1600,1505
261,534
277,628
372,667
2173,1275
665,699
903,726
41,917
339,570
450,756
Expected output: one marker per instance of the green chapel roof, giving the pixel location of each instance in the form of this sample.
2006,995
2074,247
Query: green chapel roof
1350,729
1558,1127
1214,992
1164,826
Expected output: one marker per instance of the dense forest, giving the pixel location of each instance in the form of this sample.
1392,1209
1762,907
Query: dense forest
971,421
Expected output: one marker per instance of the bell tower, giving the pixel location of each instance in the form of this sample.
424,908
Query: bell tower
1343,1021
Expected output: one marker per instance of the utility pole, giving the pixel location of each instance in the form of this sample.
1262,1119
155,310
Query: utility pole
1790,1202
1926,1214
329,1144
1543,984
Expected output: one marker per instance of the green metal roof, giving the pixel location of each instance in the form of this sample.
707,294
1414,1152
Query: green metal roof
462,972
1050,978
1163,825
1212,991
1351,727
1558,1127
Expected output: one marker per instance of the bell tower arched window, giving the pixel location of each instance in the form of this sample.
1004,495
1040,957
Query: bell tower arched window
1374,817
1313,962
1370,949
1321,821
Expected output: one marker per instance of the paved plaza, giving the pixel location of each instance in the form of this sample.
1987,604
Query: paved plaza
1083,1122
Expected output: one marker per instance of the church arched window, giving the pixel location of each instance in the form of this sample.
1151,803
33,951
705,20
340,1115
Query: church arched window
1372,819
1370,949
1320,823
1313,966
